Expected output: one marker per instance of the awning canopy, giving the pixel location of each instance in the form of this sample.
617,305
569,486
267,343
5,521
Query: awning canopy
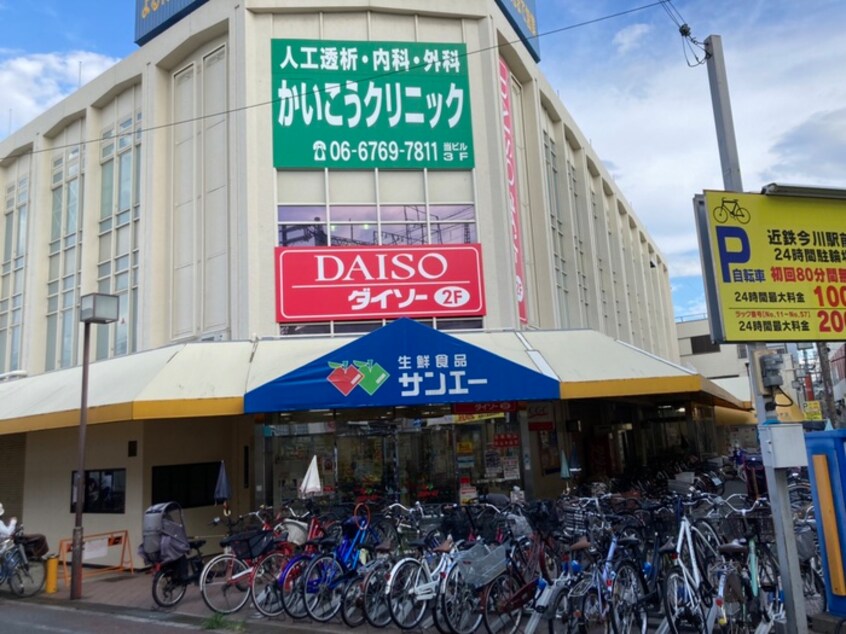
186,380
403,363
231,378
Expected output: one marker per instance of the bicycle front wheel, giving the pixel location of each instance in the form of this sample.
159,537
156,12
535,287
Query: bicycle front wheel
323,588
377,608
225,584
407,608
628,612
562,620
28,578
352,602
168,588
460,603
267,593
502,611
291,583
682,605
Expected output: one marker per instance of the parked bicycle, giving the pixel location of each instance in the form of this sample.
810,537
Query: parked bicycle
167,548
22,563
171,579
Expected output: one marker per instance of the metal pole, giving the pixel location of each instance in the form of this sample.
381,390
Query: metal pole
777,482
76,547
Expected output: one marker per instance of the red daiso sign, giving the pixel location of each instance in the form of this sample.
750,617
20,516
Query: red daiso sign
349,283
513,199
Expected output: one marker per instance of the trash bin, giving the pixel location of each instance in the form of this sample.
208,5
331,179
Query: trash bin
51,584
756,477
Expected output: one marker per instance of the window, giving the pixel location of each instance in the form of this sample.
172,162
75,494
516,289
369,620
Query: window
120,212
191,485
105,491
702,344
64,258
413,208
12,273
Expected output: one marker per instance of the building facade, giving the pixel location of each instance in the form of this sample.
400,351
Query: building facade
262,183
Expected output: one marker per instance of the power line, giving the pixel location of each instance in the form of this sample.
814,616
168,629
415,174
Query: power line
690,45
262,104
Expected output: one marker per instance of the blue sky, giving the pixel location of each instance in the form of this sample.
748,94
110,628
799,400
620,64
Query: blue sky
625,81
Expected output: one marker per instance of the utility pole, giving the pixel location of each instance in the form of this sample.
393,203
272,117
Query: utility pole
828,408
764,406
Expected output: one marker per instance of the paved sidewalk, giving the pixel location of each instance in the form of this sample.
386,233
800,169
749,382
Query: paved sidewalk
131,593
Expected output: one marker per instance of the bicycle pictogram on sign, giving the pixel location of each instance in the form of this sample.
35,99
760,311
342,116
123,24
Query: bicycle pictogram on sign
730,208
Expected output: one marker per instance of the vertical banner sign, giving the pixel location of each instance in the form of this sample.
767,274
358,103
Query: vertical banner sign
364,105
513,199
779,266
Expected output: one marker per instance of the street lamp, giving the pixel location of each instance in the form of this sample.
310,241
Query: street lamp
94,308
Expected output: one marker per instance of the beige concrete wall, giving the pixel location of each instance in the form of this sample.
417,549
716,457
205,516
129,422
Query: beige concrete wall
52,456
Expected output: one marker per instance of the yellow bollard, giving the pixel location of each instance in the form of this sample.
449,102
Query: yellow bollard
51,584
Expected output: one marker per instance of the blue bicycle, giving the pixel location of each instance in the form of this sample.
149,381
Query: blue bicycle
326,577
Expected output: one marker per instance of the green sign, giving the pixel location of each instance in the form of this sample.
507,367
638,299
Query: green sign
361,105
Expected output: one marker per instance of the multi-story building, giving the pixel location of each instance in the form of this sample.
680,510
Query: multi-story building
262,184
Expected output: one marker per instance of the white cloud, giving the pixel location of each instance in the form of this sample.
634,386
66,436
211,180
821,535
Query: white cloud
649,116
30,84
629,38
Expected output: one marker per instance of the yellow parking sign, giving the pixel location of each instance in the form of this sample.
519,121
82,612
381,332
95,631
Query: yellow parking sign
813,411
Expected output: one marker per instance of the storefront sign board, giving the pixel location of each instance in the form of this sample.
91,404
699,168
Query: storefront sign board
403,363
523,16
484,408
350,283
155,16
777,265
363,105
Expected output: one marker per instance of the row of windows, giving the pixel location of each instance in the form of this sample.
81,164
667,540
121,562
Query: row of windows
191,485
349,225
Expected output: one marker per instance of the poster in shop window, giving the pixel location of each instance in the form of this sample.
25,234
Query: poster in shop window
550,456
363,105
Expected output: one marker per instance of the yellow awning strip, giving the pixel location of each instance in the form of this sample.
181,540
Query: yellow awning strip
122,412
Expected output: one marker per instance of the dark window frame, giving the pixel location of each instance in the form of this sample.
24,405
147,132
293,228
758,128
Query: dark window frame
191,485
702,344
105,491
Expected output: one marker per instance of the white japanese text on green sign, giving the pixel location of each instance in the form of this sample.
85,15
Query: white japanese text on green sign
355,105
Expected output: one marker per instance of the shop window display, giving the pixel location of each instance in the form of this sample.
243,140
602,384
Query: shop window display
488,456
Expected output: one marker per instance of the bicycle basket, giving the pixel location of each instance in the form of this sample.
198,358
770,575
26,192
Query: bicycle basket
35,546
762,525
519,525
573,520
480,572
249,544
455,523
806,543
541,517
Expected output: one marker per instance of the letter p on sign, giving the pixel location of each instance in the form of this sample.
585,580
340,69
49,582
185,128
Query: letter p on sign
733,247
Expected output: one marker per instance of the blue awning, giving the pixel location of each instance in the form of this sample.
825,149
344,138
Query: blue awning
403,363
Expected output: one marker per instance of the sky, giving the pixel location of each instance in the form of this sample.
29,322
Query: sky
628,81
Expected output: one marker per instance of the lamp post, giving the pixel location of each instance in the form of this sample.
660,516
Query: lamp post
94,308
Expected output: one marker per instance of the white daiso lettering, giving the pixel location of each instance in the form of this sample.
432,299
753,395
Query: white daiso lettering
380,267
430,275
321,268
